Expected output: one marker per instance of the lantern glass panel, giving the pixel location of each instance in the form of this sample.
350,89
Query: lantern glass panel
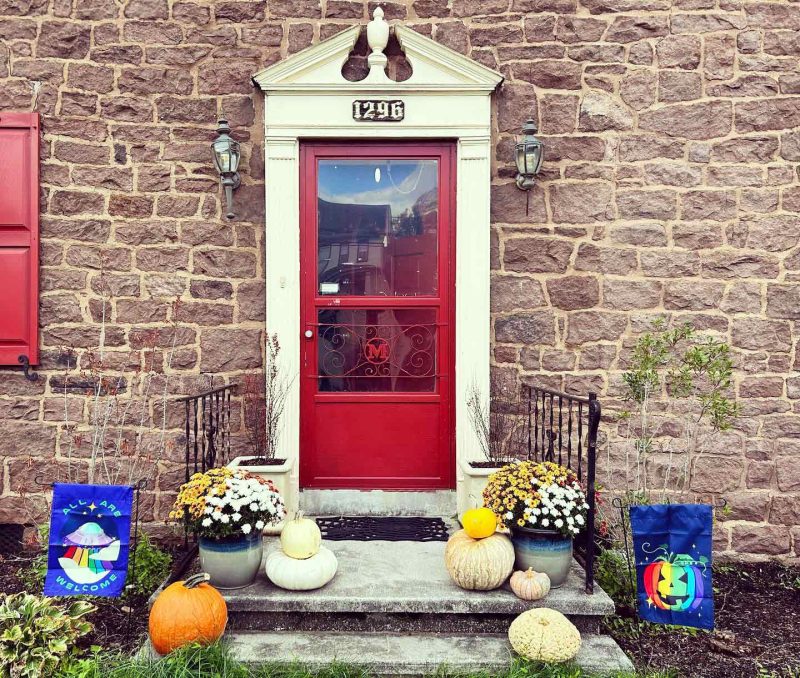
226,155
521,158
533,157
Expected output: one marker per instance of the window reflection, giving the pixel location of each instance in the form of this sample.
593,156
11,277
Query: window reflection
378,227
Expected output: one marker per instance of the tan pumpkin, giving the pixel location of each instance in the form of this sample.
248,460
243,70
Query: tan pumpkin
544,635
479,564
530,585
185,612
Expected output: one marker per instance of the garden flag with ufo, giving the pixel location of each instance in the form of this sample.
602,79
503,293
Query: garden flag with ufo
89,540
672,548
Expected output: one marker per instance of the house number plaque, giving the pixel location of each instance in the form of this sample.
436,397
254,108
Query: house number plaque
378,110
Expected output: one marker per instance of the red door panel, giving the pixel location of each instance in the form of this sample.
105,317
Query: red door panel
19,237
376,311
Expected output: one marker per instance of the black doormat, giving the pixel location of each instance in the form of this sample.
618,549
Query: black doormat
367,528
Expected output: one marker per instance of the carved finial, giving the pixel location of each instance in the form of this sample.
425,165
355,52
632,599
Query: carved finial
377,39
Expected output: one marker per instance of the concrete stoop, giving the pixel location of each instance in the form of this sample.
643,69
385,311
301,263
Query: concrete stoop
393,609
414,654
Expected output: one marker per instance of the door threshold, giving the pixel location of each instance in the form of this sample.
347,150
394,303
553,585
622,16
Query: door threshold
438,503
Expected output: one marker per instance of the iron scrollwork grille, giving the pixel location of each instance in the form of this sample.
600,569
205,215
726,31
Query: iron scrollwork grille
350,352
562,428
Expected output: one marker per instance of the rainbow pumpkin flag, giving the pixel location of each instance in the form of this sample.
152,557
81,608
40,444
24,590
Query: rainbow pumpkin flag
672,546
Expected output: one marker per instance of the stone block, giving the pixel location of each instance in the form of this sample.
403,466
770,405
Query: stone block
704,120
593,326
613,260
573,292
536,327
761,539
626,295
536,255
716,474
509,293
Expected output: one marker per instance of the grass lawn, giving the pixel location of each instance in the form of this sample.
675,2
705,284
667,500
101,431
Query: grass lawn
215,662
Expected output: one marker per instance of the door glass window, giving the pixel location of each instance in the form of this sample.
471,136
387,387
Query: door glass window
379,349
377,227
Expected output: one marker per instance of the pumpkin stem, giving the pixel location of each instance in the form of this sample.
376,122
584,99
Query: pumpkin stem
196,580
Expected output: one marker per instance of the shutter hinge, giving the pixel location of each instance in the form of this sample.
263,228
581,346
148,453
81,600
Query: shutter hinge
26,368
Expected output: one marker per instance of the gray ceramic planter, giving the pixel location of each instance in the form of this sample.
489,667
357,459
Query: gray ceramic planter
544,551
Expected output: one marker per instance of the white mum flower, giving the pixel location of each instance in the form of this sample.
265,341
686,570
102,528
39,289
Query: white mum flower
246,528
224,518
559,523
253,506
206,522
545,522
259,524
510,515
236,517
579,519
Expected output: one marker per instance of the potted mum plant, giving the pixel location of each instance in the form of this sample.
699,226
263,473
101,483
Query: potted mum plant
228,509
544,507
263,401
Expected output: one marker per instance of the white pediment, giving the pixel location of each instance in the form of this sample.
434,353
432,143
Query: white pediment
434,66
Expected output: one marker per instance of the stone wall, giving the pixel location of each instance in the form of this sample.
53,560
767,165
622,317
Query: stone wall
670,188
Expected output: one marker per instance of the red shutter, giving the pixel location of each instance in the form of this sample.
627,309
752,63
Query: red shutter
19,237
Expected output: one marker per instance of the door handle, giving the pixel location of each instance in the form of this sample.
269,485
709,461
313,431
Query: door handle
308,334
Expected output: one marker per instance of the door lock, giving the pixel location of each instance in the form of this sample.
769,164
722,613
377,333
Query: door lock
308,334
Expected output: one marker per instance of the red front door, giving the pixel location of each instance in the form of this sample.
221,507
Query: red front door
377,234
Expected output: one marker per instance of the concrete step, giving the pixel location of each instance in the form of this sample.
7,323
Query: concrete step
413,654
402,587
432,503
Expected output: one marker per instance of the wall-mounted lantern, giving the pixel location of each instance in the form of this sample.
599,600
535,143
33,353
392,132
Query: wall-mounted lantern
226,160
529,152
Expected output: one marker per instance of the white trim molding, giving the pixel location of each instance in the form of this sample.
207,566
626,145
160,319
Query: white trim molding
448,96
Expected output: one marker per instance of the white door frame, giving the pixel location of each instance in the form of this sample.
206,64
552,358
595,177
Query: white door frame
448,96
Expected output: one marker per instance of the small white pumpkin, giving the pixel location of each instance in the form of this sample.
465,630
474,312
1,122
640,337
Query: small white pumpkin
530,585
300,537
301,575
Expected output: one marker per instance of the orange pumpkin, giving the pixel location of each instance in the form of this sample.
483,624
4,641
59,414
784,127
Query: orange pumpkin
190,611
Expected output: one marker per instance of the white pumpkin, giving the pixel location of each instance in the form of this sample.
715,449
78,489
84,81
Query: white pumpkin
300,537
301,575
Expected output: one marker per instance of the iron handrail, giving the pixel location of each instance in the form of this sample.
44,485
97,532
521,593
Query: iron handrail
550,438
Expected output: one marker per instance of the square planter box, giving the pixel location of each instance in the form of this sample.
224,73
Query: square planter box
471,483
280,474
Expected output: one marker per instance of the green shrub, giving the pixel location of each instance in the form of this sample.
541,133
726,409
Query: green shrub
36,634
615,577
33,575
153,566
